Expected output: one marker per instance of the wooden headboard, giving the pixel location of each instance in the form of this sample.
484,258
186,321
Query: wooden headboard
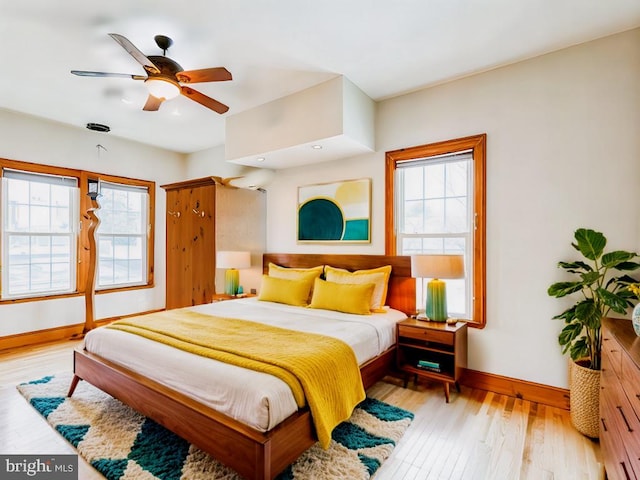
402,287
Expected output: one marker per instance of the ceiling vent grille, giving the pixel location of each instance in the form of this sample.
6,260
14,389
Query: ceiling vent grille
98,127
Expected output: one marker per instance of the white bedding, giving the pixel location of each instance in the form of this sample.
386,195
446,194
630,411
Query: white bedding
256,399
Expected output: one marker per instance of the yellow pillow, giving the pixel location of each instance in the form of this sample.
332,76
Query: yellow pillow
294,273
342,297
309,274
378,276
281,290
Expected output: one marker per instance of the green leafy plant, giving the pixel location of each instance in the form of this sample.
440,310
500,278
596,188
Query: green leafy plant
600,290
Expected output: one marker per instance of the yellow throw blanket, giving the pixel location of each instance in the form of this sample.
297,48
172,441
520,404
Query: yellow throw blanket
321,369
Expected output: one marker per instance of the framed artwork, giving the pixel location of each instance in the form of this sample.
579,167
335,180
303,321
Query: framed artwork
338,212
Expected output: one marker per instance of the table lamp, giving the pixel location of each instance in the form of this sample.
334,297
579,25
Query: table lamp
437,267
232,261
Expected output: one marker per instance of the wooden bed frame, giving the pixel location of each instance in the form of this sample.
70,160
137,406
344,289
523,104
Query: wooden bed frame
253,454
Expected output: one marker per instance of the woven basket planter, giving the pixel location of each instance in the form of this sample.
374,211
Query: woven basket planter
584,399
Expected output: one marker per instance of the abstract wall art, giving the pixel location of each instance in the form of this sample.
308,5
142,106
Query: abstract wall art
338,212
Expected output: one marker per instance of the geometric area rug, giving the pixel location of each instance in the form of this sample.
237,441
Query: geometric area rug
124,445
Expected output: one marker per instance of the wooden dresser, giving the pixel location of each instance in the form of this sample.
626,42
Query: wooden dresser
620,400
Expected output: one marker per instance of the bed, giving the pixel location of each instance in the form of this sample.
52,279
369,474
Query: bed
260,446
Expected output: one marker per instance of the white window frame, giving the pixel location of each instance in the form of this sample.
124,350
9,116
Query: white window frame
466,235
142,235
10,175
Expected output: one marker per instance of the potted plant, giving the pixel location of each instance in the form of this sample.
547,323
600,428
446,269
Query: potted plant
602,287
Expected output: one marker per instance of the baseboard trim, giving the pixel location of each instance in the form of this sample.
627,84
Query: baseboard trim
55,334
535,392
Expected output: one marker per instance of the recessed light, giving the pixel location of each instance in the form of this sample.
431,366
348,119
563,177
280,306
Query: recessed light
316,147
260,159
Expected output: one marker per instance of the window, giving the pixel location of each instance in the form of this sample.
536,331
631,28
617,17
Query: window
39,234
434,216
122,235
435,205
44,241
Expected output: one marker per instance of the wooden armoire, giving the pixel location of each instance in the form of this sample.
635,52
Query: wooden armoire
203,217
191,242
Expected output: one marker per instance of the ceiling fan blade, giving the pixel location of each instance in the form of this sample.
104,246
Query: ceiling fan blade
217,74
153,103
140,57
84,73
202,99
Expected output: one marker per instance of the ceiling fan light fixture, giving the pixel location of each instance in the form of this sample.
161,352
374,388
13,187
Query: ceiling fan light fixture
165,77
162,88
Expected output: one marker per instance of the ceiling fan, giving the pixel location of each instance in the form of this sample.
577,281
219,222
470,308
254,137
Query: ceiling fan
165,78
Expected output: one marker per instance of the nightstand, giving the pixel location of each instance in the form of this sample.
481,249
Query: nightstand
219,297
432,350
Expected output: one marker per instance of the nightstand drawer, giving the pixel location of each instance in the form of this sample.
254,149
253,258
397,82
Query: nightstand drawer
438,336
432,350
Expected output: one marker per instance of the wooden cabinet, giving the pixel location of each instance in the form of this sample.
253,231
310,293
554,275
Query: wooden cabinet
191,242
203,217
620,400
432,350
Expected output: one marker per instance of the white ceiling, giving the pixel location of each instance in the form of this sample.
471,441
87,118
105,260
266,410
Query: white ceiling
272,47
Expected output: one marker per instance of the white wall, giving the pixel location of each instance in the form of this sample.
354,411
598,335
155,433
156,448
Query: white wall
29,139
563,152
241,225
212,162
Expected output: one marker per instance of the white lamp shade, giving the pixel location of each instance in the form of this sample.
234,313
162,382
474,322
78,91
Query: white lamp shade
437,266
233,259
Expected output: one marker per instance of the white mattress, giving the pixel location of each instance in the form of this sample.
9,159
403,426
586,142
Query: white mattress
257,399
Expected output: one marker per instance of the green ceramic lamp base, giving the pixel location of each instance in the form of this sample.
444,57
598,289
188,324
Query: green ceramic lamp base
436,307
231,281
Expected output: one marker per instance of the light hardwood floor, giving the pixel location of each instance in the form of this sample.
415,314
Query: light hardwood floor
479,435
